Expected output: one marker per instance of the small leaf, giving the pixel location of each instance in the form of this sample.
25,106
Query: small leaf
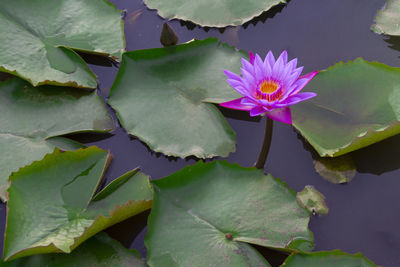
311,199
52,204
38,39
337,170
220,208
212,13
387,20
334,258
32,118
163,96
100,250
358,104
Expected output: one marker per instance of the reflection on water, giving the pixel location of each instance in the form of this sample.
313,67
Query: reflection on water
393,41
380,157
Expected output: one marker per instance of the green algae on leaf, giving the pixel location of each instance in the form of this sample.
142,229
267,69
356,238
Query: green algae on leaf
38,39
334,258
212,13
358,104
387,20
53,207
100,250
164,97
32,118
311,199
221,207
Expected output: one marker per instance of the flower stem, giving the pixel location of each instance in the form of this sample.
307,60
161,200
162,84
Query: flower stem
262,157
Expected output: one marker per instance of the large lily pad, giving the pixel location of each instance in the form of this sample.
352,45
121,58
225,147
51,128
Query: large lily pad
37,38
32,116
358,104
387,20
212,13
52,205
100,250
206,214
332,258
164,95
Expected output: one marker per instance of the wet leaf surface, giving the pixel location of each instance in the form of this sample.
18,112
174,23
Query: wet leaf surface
38,39
32,118
216,209
164,97
100,250
332,258
367,109
53,207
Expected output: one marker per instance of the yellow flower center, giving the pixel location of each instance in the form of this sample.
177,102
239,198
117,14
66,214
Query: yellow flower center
269,87
269,90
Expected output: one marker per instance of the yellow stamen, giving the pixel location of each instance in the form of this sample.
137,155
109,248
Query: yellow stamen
268,87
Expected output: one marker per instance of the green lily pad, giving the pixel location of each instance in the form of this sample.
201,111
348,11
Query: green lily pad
53,207
358,104
212,13
337,170
37,38
164,95
31,118
332,258
313,200
208,214
387,20
100,250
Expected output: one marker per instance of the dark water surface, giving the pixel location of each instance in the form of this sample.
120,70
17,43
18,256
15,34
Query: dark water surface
364,214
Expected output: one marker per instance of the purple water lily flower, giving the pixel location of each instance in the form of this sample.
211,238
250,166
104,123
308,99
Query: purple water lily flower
269,87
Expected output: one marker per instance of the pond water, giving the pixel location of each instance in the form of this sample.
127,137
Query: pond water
364,214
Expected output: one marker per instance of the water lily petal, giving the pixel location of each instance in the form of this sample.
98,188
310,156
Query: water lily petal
238,86
258,110
248,102
292,64
251,57
294,99
277,69
280,114
259,71
285,73
296,73
291,82
232,75
270,59
236,104
248,80
302,81
247,66
284,57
